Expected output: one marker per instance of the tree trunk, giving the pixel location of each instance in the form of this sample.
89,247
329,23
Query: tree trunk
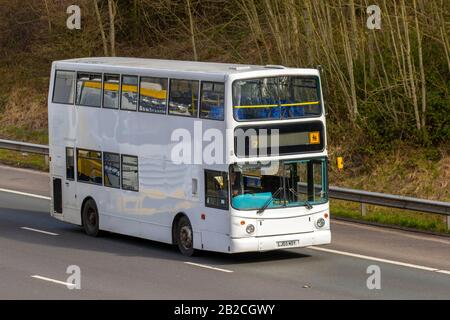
102,30
422,71
112,27
191,28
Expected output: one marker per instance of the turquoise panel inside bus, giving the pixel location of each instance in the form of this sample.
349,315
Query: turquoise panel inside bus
251,200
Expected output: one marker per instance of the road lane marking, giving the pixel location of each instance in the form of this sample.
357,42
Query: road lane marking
208,267
403,233
67,284
30,171
40,231
398,263
25,194
443,271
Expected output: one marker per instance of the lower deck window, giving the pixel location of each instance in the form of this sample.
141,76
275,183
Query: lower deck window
216,193
70,164
130,176
111,169
89,166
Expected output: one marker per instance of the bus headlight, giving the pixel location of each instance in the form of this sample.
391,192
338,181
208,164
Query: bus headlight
250,229
320,222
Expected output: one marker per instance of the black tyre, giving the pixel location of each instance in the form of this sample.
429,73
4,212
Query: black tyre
90,218
185,237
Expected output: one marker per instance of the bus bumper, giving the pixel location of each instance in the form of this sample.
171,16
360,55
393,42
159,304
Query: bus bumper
299,240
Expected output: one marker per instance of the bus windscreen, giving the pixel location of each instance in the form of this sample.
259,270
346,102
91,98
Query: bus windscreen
275,98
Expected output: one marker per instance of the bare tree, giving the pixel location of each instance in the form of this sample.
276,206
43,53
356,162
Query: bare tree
191,29
112,10
101,28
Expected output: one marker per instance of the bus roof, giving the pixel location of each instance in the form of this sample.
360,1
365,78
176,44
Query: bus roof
176,65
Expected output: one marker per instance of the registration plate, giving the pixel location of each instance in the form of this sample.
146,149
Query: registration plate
288,243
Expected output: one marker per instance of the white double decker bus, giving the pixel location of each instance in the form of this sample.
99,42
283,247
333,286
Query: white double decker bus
210,156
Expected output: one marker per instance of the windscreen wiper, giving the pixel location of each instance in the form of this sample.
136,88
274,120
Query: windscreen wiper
264,207
308,205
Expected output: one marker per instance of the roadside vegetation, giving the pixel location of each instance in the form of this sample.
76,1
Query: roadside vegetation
387,91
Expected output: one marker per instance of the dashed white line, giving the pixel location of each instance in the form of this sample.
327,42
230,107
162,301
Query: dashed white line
25,194
67,284
40,231
398,263
208,267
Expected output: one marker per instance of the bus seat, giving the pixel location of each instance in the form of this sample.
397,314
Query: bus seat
216,112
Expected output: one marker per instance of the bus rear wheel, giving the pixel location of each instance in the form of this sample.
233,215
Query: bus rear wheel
90,218
185,237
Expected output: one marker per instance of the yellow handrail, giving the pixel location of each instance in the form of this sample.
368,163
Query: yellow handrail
278,105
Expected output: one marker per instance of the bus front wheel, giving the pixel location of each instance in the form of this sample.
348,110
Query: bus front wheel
185,237
90,218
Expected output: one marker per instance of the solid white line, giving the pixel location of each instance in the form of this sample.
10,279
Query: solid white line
67,284
403,233
25,194
443,271
208,267
398,263
40,231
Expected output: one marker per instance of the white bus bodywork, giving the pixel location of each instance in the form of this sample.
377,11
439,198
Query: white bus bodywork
165,188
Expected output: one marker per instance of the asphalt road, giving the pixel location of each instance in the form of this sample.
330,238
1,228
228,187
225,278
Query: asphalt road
412,265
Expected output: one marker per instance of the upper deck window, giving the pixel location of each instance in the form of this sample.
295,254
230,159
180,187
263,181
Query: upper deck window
212,100
275,98
129,93
153,95
183,99
64,89
89,89
111,91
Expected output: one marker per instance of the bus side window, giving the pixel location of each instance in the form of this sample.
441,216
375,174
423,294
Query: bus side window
129,93
153,95
64,88
212,100
70,164
183,97
130,174
89,166
111,169
111,91
89,89
216,193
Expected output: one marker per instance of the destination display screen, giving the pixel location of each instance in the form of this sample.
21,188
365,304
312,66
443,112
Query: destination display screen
265,140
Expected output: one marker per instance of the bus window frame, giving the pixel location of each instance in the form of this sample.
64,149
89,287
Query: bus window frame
101,161
201,98
101,89
324,158
119,91
121,172
320,92
217,172
138,93
73,168
167,95
198,98
74,83
120,168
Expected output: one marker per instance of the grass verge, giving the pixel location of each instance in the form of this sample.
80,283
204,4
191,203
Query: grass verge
390,216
